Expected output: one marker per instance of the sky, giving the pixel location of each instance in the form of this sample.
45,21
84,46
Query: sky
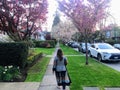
114,10
51,10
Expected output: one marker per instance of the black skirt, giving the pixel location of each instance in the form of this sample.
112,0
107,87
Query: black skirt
60,81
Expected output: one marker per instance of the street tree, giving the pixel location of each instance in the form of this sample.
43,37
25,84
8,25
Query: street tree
64,30
85,15
97,36
78,37
56,19
19,19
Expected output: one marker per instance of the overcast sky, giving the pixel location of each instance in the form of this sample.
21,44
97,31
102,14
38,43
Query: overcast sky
114,9
51,10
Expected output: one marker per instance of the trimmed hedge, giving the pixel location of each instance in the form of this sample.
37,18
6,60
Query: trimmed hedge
33,58
13,54
45,44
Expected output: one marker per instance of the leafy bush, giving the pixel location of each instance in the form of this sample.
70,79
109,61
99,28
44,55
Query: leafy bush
45,44
110,41
9,73
13,54
33,57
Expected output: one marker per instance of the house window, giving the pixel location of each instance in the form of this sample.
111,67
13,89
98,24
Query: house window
108,34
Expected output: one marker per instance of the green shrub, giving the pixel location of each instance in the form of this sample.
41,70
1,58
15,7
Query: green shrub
45,44
110,41
31,59
13,54
9,73
1,72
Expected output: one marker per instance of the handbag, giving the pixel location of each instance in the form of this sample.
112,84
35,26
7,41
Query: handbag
67,78
54,68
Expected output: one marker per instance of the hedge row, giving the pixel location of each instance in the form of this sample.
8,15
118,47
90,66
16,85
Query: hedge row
13,54
45,44
33,58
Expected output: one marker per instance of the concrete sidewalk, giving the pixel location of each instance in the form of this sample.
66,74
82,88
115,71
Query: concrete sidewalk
49,79
19,86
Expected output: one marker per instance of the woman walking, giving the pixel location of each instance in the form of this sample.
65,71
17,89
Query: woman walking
59,66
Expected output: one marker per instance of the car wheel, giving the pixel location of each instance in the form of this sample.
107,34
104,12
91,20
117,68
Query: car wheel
99,57
89,54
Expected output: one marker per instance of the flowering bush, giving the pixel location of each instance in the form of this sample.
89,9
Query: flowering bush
9,73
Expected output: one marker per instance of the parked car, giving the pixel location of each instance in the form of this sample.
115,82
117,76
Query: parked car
82,47
117,46
70,43
75,45
104,51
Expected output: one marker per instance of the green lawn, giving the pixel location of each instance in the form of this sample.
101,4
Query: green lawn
94,74
36,72
47,51
69,50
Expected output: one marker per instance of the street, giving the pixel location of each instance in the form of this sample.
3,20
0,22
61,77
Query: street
114,65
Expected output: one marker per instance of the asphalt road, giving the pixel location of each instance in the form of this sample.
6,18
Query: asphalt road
114,65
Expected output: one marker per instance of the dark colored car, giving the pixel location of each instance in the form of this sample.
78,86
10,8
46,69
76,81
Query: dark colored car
82,47
70,43
75,45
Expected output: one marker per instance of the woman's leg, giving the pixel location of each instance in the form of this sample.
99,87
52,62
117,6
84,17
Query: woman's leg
63,79
58,77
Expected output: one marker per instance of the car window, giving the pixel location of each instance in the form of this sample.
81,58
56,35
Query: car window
93,46
105,46
117,45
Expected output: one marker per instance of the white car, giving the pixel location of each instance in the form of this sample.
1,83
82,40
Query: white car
104,51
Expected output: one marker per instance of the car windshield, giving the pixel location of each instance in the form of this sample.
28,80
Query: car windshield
105,46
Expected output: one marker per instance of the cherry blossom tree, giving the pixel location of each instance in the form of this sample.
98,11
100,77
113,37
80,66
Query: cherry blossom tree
64,30
85,14
21,18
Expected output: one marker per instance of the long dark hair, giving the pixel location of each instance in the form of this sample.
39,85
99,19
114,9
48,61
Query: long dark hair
60,54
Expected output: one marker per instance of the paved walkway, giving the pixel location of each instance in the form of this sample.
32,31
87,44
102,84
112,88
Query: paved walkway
49,79
19,86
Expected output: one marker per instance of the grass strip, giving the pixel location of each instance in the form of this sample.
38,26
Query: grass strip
47,51
95,74
36,72
69,50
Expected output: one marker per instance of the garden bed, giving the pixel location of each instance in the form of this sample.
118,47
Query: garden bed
24,72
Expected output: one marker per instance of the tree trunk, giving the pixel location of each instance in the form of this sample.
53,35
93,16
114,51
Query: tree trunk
86,41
